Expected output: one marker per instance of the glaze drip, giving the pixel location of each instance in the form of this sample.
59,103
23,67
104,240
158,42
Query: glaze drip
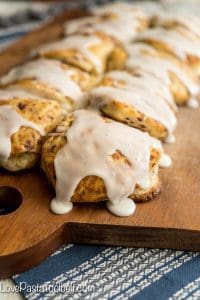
91,143
10,122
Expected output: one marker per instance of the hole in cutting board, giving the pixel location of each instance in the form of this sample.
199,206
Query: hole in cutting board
10,200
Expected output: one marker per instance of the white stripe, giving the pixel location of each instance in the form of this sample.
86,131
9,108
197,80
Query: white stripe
195,295
187,289
61,249
159,273
92,278
134,273
75,271
100,276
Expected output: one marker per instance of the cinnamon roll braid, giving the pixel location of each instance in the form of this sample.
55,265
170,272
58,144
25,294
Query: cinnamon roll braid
91,158
131,100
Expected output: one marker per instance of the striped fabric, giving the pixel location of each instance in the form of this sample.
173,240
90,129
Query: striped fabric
96,272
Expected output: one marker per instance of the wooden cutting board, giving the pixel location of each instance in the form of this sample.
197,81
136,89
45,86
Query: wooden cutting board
31,233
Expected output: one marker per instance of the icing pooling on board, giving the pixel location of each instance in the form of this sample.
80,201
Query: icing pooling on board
50,72
91,142
10,122
145,58
144,100
181,45
81,43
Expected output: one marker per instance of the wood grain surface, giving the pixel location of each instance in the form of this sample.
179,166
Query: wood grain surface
172,220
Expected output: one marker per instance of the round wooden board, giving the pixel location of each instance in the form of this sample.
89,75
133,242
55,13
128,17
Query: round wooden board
32,232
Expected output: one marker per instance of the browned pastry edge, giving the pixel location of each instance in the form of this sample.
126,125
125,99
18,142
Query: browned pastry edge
191,60
134,118
92,188
26,142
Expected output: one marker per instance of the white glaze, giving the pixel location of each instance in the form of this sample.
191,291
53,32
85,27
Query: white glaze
13,92
114,28
182,7
61,207
125,20
144,80
190,23
79,42
144,100
124,208
50,72
181,44
10,122
165,161
90,143
121,29
121,11
193,103
170,139
145,59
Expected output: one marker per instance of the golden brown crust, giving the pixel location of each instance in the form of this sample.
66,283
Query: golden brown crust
92,188
164,49
117,57
179,91
129,115
26,142
77,59
45,91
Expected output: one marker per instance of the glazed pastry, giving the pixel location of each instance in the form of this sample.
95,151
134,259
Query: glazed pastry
90,158
176,43
127,18
187,24
23,123
174,75
129,99
105,27
182,7
86,52
50,79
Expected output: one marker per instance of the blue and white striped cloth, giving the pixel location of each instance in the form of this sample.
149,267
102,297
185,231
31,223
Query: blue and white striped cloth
97,272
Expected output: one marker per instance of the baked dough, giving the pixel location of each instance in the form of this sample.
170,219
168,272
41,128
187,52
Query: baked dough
187,24
169,71
108,29
175,42
127,18
92,188
26,141
86,52
51,79
128,99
